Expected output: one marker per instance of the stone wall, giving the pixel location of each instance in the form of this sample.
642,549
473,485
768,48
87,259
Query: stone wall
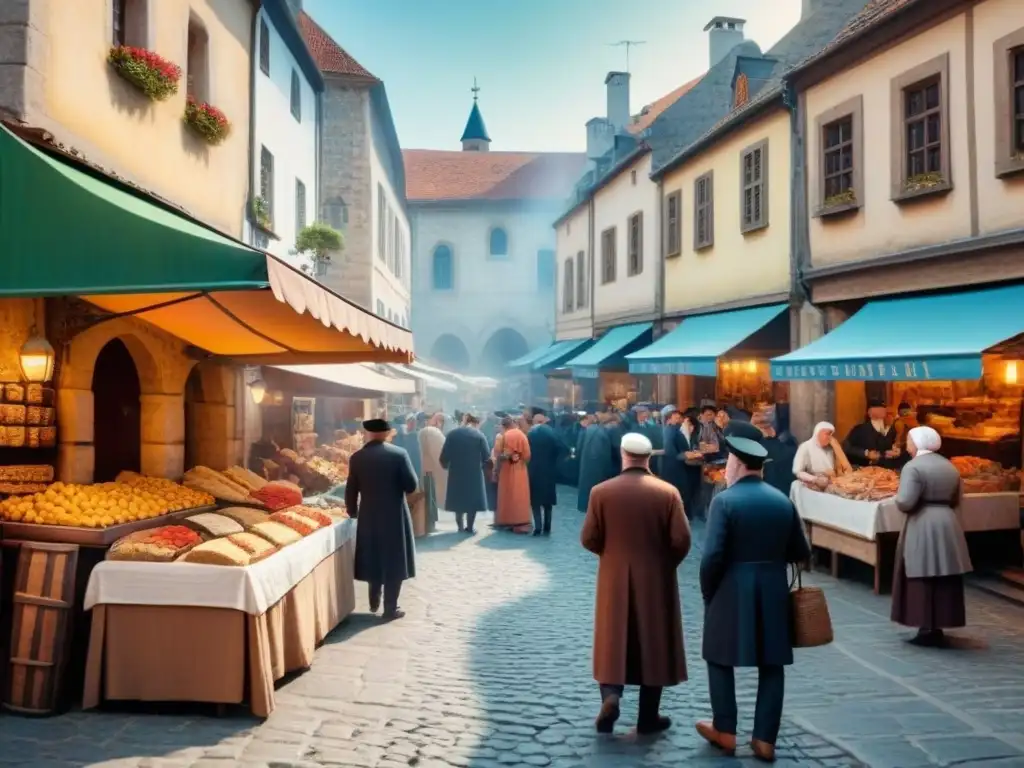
23,45
345,173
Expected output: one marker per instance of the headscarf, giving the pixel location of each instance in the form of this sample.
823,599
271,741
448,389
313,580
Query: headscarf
812,457
926,439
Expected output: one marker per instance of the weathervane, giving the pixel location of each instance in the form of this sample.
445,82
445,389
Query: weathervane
627,44
475,89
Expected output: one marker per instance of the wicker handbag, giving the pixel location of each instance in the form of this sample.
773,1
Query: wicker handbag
809,617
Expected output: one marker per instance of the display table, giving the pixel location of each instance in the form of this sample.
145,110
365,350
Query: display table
857,529
206,633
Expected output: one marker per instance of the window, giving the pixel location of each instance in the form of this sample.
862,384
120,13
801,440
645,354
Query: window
498,243
336,213
636,244
267,181
754,187
1008,57
300,206
264,47
380,308
443,268
840,178
920,109
382,222
546,270
390,229
632,178
399,249
673,224
567,286
130,23
568,229
704,211
582,286
741,91
608,255
296,96
197,82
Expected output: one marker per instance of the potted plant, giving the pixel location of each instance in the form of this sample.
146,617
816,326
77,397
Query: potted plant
319,240
261,212
151,73
208,122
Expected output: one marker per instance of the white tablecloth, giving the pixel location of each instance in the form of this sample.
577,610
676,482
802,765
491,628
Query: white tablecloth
979,512
252,589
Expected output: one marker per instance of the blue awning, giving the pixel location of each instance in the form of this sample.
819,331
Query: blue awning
559,352
532,356
694,346
918,338
609,350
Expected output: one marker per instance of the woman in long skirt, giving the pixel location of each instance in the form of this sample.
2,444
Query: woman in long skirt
511,454
931,556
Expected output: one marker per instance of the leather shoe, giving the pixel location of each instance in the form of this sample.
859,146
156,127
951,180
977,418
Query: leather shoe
763,751
724,741
657,725
609,713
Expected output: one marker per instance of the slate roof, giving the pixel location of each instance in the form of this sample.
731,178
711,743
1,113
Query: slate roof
652,111
475,128
328,55
674,140
441,175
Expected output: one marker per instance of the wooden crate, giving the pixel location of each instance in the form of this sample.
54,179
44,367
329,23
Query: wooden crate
44,594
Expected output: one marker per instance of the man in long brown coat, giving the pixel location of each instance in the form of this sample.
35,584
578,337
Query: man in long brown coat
635,524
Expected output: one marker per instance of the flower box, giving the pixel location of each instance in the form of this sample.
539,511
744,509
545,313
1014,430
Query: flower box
208,122
152,74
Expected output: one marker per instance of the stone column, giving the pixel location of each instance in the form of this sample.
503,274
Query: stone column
76,458
163,435
213,427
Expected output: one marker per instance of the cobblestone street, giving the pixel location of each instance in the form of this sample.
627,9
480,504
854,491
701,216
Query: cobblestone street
492,667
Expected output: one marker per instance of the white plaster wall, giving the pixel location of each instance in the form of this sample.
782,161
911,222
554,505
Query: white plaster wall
573,236
391,290
489,294
290,141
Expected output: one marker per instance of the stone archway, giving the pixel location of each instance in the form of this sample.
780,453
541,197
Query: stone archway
210,417
117,409
504,346
449,351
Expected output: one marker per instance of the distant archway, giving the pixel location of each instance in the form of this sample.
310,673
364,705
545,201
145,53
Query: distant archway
450,352
504,346
117,412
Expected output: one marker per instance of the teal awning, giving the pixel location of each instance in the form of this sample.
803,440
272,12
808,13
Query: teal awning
694,346
609,351
65,231
918,338
532,356
559,352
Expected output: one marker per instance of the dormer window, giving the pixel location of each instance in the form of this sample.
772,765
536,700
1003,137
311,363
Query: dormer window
718,25
732,25
741,91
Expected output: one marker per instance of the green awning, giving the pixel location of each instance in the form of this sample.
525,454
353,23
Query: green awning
67,232
610,350
531,357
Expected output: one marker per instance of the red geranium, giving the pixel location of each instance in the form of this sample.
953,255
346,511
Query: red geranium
149,72
206,120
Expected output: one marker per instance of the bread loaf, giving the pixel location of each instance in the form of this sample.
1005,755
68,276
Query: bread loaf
213,524
255,546
247,517
301,525
218,552
276,533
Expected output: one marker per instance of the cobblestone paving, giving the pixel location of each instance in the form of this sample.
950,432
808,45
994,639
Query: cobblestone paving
491,667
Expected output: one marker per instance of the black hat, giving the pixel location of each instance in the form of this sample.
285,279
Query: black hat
745,440
876,402
537,412
376,426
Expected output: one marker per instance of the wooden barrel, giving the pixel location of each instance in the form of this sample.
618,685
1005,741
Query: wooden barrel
44,594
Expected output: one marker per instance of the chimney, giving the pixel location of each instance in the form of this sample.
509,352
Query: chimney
295,6
617,84
724,34
600,138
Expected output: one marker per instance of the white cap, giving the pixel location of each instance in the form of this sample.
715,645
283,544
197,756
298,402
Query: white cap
636,444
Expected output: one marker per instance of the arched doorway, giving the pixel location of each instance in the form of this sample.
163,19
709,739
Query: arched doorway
193,395
449,352
504,346
117,441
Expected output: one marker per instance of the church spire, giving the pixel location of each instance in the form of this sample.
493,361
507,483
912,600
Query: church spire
475,138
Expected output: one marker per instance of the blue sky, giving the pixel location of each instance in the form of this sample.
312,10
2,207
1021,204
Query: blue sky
540,63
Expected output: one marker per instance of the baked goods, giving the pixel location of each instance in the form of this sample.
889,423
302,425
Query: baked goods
163,544
279,495
866,484
255,546
212,524
15,436
37,394
12,414
985,476
247,517
14,393
318,516
26,473
245,478
47,437
301,525
21,489
217,552
277,533
216,484
32,437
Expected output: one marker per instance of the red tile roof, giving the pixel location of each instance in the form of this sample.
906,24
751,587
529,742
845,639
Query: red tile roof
436,175
651,112
330,57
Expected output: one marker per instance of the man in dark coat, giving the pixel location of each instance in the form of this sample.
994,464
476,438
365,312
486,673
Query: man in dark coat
636,525
546,452
597,462
644,424
873,441
673,468
380,476
753,534
464,455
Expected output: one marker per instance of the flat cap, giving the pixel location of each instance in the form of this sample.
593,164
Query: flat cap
636,444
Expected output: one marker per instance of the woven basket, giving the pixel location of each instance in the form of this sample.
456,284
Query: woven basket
809,617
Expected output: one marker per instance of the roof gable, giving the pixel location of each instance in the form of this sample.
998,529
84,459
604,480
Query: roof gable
330,57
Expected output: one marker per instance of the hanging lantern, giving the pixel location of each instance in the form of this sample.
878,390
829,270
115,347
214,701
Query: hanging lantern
752,366
37,358
258,389
1010,372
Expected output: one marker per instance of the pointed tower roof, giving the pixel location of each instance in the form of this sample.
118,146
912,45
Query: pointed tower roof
475,128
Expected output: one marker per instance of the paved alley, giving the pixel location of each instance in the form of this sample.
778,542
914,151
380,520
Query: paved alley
492,668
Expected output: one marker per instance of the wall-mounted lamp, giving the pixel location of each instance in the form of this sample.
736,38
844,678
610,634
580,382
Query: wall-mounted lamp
752,366
1010,372
258,389
37,358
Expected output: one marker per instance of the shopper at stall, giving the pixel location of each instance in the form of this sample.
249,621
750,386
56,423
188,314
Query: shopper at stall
406,437
435,477
596,461
380,475
465,454
778,467
636,526
931,555
873,441
694,500
546,453
753,534
510,457
821,459
672,468
709,434
644,424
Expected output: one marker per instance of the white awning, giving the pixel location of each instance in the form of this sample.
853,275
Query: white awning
475,381
356,376
414,373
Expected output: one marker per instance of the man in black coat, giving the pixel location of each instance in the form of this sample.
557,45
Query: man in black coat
753,534
464,455
673,468
873,441
380,475
546,452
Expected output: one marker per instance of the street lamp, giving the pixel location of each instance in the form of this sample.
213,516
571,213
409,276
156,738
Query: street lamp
258,389
37,358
